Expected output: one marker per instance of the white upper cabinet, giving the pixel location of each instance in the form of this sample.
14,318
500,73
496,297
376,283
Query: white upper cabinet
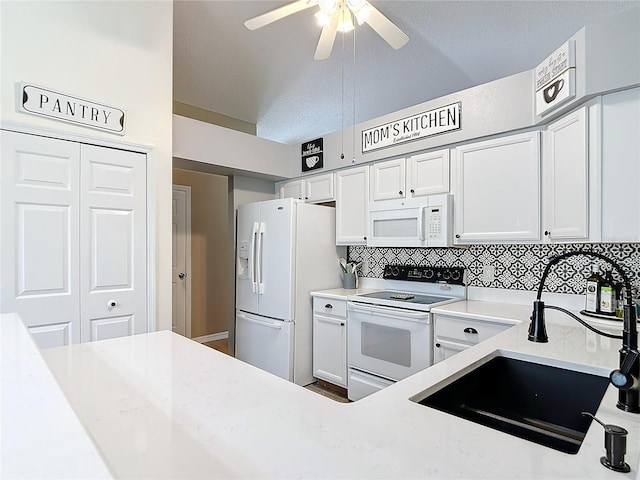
319,188
352,200
388,180
316,189
621,166
292,189
497,190
428,173
566,175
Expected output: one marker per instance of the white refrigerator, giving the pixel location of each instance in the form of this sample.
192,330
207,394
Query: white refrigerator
285,250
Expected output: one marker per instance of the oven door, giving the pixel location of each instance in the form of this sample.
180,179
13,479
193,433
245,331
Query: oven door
390,342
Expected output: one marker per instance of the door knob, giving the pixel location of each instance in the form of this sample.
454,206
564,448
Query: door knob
112,304
182,275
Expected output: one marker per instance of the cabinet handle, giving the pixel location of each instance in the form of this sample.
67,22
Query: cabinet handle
364,238
457,235
470,330
306,198
547,233
400,192
328,305
438,345
342,324
413,191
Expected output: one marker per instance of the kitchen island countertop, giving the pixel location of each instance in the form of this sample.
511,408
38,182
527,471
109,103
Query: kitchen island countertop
161,406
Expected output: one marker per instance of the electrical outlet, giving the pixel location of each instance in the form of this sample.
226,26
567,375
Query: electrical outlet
488,273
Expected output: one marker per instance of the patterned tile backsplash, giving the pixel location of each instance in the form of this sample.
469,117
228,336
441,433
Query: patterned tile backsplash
517,267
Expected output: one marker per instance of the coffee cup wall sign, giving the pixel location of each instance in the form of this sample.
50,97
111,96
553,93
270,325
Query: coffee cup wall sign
312,155
555,79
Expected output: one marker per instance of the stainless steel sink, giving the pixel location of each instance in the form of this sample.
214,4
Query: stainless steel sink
539,402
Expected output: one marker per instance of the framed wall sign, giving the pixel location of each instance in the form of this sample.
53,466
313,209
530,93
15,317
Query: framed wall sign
312,155
555,79
433,122
59,106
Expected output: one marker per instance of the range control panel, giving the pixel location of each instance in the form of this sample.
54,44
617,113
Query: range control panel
452,275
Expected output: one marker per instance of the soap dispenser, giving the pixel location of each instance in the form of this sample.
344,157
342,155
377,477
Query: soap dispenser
615,444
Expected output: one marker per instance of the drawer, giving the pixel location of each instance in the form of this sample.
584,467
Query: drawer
330,306
465,330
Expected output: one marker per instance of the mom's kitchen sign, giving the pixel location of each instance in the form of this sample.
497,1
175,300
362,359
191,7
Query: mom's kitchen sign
433,122
47,103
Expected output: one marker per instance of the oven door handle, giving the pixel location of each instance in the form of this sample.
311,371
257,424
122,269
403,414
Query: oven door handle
388,311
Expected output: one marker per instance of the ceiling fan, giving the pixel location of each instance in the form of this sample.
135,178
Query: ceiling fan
336,16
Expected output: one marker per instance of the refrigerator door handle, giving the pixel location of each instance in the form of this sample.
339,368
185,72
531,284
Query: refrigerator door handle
261,259
252,263
277,325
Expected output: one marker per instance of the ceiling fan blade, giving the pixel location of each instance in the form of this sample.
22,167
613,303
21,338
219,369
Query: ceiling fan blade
386,28
279,13
327,37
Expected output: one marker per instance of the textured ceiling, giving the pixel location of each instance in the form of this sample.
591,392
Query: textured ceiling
268,76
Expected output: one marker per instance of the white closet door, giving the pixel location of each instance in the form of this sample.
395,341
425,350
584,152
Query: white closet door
40,202
113,247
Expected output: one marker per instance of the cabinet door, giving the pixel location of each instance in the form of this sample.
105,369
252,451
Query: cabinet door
566,178
292,189
388,180
40,223
319,188
428,173
352,201
113,247
498,190
330,349
445,349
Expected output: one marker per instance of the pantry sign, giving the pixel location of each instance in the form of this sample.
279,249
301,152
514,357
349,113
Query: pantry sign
47,103
433,122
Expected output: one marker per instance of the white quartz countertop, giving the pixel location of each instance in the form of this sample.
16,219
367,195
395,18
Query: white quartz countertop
161,406
41,437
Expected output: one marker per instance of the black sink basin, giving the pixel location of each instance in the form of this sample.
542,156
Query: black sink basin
537,402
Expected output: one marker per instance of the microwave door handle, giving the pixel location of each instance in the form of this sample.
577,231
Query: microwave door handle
421,223
253,259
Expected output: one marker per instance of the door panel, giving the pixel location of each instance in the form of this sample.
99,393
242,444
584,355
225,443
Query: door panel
40,211
276,282
247,240
113,229
265,343
112,327
181,235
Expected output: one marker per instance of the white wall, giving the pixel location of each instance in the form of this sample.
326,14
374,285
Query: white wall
119,53
212,144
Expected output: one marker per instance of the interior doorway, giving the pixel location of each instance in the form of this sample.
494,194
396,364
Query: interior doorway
181,260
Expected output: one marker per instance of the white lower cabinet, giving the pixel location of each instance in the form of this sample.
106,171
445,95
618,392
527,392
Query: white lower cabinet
74,239
453,334
330,340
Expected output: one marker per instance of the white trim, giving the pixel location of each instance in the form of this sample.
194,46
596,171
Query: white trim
187,191
149,151
211,337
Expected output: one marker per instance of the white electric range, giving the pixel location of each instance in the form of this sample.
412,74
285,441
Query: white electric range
390,332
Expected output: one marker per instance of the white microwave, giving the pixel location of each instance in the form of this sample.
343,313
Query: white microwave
412,222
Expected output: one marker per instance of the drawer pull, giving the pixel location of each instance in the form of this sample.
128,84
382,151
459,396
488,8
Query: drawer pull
328,305
438,345
342,324
470,330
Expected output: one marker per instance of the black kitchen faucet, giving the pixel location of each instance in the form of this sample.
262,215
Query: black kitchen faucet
625,378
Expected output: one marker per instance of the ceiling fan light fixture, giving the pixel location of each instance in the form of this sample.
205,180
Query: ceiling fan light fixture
362,14
345,23
323,18
328,7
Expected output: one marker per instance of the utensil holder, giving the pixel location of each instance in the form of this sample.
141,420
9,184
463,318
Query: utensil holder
349,280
